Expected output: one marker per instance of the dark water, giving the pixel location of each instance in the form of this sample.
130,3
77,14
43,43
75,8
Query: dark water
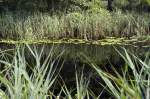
74,58
73,54
100,55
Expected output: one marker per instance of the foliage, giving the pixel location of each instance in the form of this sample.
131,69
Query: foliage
84,19
94,24
31,80
135,5
22,79
132,82
20,83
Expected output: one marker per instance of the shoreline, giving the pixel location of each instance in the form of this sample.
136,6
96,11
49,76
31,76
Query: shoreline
142,41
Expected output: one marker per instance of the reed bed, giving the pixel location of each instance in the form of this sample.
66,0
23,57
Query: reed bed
91,24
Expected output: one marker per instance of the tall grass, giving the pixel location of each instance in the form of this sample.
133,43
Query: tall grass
22,84
132,82
91,24
131,24
23,81
81,91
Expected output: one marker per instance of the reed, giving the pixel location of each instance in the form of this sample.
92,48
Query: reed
91,24
21,80
132,82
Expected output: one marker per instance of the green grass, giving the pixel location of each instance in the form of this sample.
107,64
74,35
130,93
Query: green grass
95,23
133,81
19,84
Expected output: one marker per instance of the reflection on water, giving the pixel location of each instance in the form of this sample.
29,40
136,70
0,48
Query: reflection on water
99,54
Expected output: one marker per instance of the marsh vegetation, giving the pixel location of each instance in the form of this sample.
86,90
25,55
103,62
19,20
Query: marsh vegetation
83,19
29,73
74,49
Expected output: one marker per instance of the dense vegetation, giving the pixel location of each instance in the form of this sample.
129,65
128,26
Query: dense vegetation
84,19
41,72
39,77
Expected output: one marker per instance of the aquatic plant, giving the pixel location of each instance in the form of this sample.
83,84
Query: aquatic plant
21,78
81,91
132,82
95,23
23,81
130,24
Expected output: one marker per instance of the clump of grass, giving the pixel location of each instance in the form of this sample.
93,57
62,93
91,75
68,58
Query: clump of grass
21,80
81,91
20,83
130,24
132,82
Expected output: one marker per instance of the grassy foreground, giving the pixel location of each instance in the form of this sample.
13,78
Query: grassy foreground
19,83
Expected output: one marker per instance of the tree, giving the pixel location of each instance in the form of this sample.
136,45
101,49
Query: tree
109,6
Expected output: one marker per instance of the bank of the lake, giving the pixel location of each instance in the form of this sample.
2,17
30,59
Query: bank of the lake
142,41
